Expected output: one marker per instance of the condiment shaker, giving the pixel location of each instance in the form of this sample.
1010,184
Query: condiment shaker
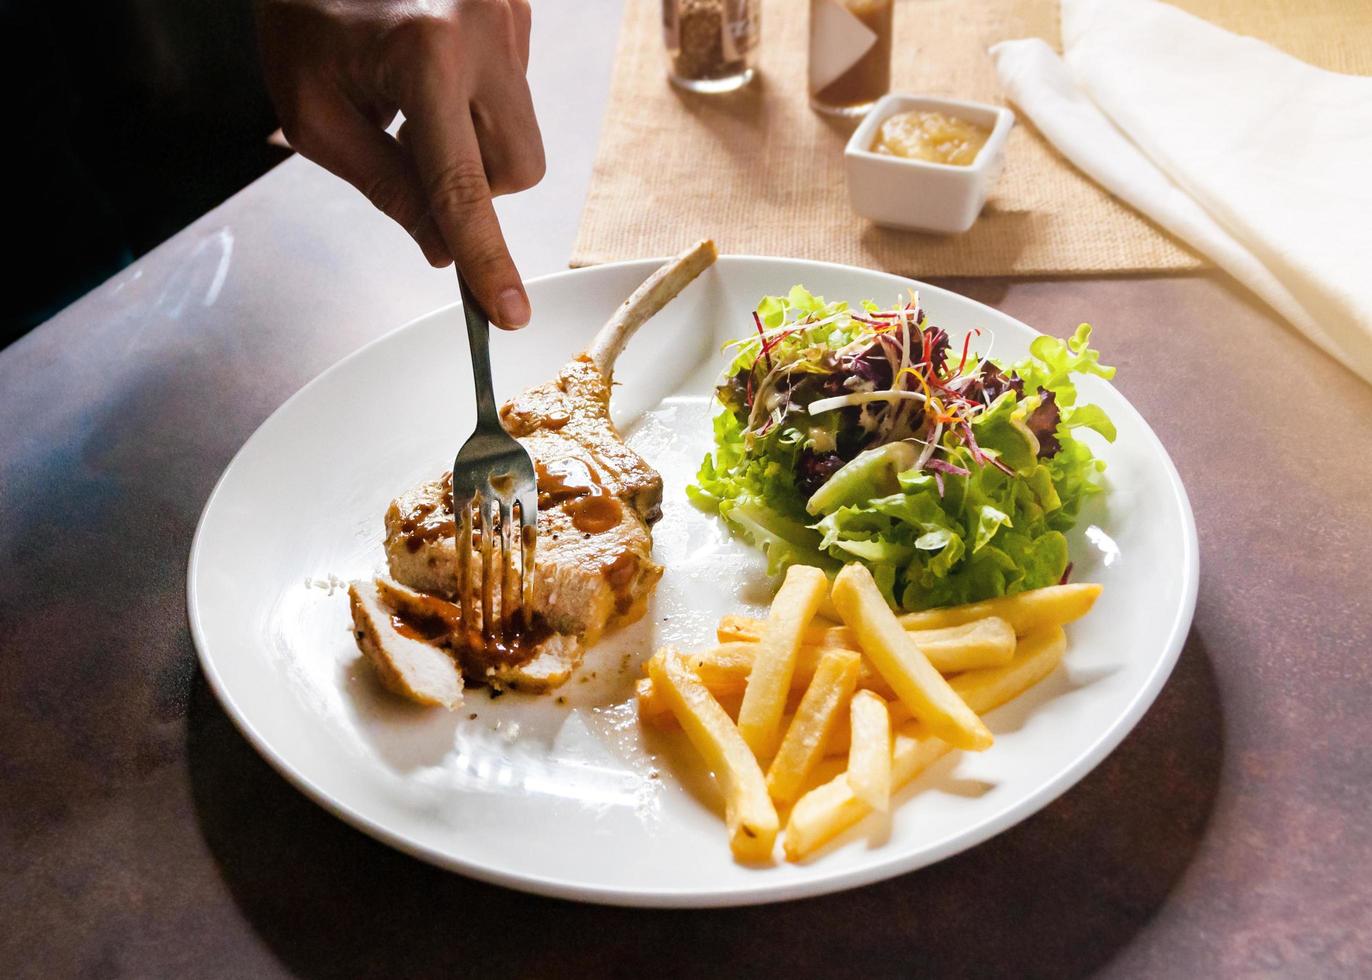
850,54
710,43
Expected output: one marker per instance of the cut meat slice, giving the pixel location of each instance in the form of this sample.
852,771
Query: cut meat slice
412,666
438,623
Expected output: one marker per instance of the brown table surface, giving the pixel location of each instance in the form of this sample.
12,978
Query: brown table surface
140,835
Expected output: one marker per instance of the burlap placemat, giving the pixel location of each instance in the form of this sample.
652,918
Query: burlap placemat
761,173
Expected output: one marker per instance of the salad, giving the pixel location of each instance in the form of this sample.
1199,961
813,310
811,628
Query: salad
867,435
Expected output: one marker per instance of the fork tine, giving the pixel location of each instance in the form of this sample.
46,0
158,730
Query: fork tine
487,579
509,594
462,542
528,535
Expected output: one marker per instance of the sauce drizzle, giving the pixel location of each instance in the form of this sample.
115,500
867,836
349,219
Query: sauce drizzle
573,483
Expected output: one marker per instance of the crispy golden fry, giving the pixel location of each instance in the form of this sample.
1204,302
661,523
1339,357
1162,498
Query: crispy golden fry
841,741
724,671
769,682
654,709
725,668
1035,658
828,810
869,756
814,720
1026,613
988,642
903,664
751,818
981,689
832,808
736,628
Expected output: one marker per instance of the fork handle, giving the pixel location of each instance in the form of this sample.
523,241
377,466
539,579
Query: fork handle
479,339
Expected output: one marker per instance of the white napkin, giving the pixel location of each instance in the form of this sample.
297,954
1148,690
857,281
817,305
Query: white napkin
1256,159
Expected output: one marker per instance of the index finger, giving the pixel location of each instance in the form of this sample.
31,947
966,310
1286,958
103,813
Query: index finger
448,159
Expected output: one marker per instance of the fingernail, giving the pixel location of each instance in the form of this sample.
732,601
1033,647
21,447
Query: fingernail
512,308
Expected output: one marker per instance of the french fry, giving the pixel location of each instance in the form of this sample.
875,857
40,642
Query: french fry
828,810
769,682
1035,658
1027,612
724,671
724,668
842,740
805,739
653,706
901,662
654,709
981,689
988,642
748,811
970,686
869,756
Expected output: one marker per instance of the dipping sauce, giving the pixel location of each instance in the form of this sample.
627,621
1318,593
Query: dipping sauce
932,136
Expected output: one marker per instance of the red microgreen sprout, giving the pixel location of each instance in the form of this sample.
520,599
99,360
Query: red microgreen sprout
757,320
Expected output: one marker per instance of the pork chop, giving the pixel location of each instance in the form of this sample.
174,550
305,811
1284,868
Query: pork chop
597,500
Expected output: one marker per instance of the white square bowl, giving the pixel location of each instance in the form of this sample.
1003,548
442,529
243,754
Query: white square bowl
915,194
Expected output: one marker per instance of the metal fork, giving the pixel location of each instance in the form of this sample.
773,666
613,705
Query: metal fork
492,475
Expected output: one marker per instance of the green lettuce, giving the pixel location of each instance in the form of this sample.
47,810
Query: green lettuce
929,539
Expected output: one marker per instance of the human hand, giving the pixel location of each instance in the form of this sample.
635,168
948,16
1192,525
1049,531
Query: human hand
339,71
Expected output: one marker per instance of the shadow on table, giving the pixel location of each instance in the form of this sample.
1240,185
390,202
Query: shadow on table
1059,895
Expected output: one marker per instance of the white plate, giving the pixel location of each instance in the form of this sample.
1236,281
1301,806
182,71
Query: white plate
573,799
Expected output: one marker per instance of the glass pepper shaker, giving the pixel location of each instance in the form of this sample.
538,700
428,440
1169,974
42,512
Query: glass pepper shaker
710,43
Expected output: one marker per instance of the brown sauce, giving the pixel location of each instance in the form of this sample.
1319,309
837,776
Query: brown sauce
425,629
574,483
477,654
536,410
595,514
560,480
430,522
472,651
570,483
